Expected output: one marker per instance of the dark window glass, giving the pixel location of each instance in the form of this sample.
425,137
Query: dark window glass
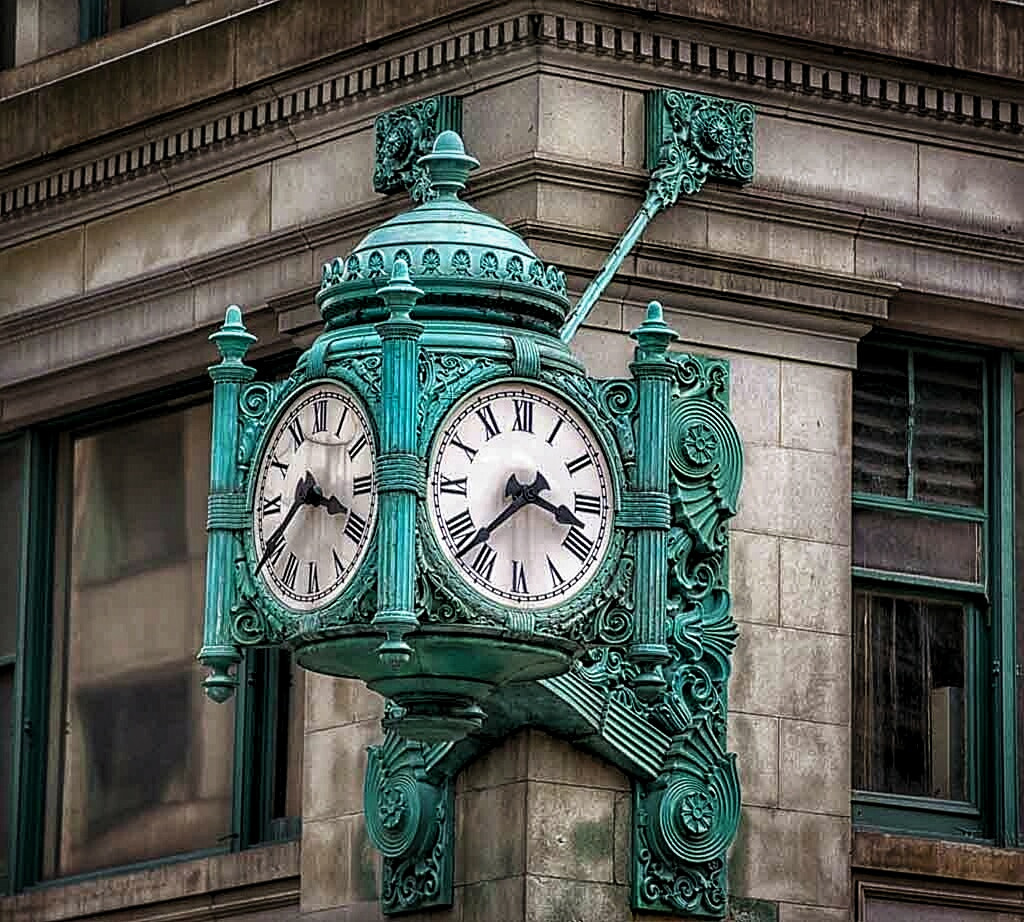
917,544
909,697
133,11
918,427
144,766
948,442
6,752
880,435
11,483
8,13
1018,535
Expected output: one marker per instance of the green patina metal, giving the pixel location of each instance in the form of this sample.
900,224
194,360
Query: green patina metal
433,306
403,135
690,138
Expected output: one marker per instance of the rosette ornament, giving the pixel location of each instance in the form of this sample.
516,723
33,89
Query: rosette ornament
687,819
409,820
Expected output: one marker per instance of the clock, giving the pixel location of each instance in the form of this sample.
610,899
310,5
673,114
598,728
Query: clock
314,497
520,495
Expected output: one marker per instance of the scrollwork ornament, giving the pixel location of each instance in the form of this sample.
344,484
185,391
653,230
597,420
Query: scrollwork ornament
409,820
362,373
613,402
696,137
443,377
688,817
706,456
254,404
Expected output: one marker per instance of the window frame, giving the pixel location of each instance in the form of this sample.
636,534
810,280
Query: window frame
256,707
990,813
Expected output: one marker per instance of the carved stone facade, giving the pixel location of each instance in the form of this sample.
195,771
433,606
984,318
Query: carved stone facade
238,163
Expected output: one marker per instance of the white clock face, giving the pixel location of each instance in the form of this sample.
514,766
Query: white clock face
520,495
315,497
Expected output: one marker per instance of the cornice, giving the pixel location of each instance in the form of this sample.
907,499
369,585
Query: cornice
236,131
861,292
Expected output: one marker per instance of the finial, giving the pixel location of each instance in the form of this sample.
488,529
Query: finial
399,295
220,684
654,335
448,165
233,339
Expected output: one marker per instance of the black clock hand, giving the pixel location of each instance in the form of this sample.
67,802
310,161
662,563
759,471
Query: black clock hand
483,534
302,490
563,515
332,504
522,495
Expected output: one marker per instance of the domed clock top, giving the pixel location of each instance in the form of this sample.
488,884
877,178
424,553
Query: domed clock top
520,495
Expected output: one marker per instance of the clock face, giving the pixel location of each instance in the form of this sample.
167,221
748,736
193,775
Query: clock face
314,501
520,495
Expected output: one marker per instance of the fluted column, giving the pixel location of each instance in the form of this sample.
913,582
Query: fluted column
226,506
653,373
401,478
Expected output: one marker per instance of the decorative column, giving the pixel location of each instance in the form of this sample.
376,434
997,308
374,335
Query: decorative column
226,506
653,373
401,477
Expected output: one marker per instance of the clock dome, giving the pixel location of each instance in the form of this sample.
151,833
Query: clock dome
468,264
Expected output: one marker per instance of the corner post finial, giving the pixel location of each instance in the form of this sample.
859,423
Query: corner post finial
225,510
448,165
400,478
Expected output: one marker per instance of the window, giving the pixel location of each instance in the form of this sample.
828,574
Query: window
8,10
98,17
138,765
933,623
11,488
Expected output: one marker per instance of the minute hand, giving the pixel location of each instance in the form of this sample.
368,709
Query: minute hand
483,534
302,491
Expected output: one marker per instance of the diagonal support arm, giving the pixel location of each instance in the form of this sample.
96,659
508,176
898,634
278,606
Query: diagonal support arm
689,139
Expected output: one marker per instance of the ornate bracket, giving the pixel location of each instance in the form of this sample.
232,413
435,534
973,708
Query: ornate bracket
404,135
410,818
690,137
671,739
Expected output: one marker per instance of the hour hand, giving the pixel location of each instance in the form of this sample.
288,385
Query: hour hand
562,513
331,504
515,489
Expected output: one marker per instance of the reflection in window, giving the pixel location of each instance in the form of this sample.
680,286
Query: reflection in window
909,700
144,767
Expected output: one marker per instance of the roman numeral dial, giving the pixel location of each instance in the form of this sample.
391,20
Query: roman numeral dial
520,496
314,497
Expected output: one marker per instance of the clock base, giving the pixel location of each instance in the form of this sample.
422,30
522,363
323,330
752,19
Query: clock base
440,690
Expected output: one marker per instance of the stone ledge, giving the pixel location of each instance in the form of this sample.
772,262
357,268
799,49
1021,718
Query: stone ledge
258,879
73,109
953,861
